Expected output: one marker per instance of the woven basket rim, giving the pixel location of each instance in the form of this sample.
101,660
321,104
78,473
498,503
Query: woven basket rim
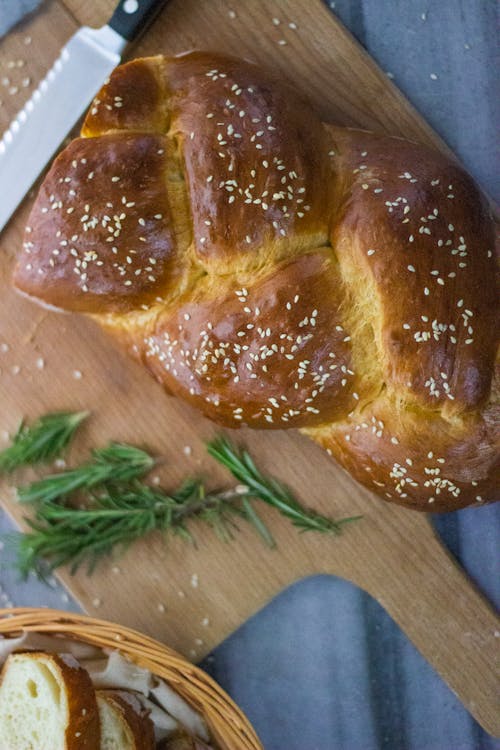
227,722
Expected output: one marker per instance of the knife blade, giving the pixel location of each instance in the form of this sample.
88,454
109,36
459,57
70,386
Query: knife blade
62,97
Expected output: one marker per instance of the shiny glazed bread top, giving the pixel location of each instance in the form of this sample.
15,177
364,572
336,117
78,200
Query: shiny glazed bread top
279,272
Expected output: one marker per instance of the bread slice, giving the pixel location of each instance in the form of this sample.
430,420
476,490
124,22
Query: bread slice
125,723
47,702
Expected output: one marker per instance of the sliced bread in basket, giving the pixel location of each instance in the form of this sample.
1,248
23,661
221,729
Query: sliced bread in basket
125,723
47,702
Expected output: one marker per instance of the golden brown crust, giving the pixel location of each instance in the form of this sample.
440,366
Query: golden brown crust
420,228
132,99
273,353
83,727
390,246
103,239
135,718
255,160
419,459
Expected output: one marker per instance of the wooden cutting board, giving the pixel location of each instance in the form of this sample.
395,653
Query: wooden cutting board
392,553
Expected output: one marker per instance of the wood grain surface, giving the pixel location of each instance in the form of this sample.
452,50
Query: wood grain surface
392,553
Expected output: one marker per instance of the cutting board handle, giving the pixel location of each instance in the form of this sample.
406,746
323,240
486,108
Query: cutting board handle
444,615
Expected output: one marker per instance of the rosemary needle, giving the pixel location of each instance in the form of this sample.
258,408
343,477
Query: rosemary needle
41,442
117,463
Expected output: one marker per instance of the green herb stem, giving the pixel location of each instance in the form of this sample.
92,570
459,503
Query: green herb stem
272,492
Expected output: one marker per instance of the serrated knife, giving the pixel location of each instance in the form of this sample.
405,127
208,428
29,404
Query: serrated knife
63,96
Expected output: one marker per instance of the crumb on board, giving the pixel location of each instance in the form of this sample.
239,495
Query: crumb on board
194,580
96,602
161,607
77,374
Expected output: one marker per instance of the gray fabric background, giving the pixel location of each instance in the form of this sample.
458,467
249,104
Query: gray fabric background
12,11
323,667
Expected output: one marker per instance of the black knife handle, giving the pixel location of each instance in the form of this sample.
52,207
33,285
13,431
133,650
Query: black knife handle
132,16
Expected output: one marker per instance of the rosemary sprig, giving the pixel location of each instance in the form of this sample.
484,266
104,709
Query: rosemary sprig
272,492
41,442
120,509
62,534
117,463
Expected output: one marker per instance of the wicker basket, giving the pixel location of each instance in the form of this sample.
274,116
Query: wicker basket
229,727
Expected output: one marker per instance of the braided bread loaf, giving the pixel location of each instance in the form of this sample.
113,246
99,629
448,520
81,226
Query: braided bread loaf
278,272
